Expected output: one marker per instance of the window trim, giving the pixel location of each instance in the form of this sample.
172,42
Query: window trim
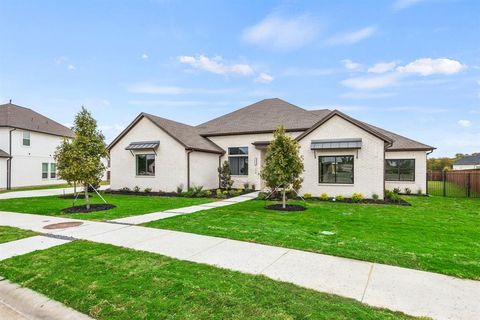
26,139
239,156
398,179
335,182
45,172
136,164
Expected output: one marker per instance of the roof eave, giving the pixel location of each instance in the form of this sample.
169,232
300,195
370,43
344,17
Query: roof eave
249,132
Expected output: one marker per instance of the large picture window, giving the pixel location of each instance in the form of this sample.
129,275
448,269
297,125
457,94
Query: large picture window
145,164
336,169
400,170
238,160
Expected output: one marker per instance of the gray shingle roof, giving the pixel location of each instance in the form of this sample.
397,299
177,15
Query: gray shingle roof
263,116
468,160
185,134
4,154
19,117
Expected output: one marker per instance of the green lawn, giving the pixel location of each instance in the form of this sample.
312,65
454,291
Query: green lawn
434,234
127,205
108,282
8,234
51,186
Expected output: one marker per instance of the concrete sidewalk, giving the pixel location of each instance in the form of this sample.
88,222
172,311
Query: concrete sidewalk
414,292
186,210
26,245
41,192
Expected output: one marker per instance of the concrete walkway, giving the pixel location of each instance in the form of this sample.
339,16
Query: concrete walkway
41,192
186,210
414,292
17,303
26,245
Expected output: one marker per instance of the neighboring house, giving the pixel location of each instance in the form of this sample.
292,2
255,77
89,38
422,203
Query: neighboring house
341,155
27,144
467,162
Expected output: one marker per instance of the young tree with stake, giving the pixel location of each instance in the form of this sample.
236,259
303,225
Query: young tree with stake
80,160
283,163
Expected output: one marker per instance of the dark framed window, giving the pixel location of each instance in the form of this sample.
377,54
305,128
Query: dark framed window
44,170
238,160
145,164
400,170
335,169
53,170
26,138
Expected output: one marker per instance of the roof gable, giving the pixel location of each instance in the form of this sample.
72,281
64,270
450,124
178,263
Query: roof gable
260,117
19,117
349,119
184,134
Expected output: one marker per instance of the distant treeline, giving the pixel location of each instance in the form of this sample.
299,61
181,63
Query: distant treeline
444,163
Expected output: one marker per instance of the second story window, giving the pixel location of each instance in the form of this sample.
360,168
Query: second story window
26,138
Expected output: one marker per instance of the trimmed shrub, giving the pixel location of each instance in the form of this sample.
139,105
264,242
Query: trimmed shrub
147,190
180,188
357,197
262,196
253,186
408,191
246,185
324,196
340,198
208,193
136,189
307,195
396,190
392,196
419,191
375,196
125,189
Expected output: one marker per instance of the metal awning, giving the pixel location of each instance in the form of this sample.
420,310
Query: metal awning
261,144
142,145
354,143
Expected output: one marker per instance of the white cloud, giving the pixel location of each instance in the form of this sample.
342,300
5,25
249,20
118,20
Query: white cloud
370,83
282,33
351,37
307,72
149,88
264,78
71,67
429,66
403,4
216,65
382,67
144,56
464,123
350,65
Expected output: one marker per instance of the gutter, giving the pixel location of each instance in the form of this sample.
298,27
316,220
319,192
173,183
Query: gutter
188,167
387,145
9,160
426,173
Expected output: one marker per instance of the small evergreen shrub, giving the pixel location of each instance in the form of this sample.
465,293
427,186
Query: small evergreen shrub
208,193
262,196
396,190
219,194
180,188
375,196
392,196
419,191
147,190
340,198
125,189
136,189
408,191
357,197
246,185
253,186
307,195
324,196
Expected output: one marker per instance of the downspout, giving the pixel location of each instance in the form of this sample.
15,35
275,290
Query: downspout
426,173
387,145
219,166
9,160
188,167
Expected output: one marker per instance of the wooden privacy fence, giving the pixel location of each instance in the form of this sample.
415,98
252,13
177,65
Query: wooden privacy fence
460,183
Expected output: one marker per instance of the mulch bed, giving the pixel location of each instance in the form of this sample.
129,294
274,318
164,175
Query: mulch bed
400,202
72,196
169,194
288,207
93,208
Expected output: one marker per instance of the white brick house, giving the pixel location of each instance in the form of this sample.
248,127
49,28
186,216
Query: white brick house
341,155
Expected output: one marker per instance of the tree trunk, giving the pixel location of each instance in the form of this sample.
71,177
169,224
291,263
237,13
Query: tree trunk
284,202
87,200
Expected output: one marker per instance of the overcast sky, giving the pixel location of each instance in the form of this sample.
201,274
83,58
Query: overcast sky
409,66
